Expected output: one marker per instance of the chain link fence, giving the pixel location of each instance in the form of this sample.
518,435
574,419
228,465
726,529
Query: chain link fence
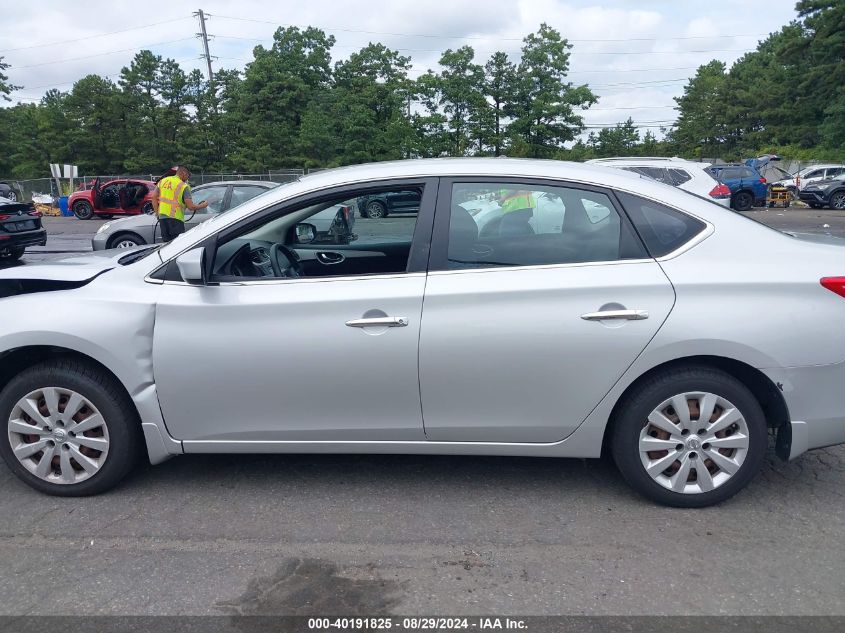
43,189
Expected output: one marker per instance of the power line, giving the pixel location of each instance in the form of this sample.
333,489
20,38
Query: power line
469,37
80,39
124,50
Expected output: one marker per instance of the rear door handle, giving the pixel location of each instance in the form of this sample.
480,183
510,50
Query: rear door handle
630,315
387,321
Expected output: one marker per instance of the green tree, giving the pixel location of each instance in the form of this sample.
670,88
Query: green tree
543,111
499,86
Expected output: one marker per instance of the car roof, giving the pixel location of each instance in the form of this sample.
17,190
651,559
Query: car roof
820,166
669,164
661,159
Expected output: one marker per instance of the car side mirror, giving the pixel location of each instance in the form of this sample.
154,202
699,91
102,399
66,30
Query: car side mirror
191,266
305,233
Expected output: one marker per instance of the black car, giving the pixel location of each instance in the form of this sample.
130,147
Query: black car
20,226
383,204
6,191
825,193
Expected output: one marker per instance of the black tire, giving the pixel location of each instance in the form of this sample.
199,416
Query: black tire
743,201
105,393
121,240
83,210
375,210
837,201
105,216
633,414
13,254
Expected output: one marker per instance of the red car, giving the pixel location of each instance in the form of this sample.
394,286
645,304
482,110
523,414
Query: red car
116,197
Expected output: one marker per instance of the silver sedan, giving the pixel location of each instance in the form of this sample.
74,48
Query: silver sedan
530,308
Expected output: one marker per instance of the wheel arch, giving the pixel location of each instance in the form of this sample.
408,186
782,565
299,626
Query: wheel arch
767,393
13,361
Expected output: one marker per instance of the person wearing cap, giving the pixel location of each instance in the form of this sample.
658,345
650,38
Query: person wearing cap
170,199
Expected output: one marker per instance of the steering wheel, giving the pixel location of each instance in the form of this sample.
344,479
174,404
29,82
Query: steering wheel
285,262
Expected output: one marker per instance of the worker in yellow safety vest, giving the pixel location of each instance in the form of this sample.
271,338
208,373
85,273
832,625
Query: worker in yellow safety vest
517,209
170,199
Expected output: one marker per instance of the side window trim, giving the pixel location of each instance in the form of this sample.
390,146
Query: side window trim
439,256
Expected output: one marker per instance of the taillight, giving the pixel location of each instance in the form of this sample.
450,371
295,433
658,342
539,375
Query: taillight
346,213
36,214
4,217
720,191
762,181
834,284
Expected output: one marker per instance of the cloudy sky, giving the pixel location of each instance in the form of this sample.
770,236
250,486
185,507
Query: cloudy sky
636,55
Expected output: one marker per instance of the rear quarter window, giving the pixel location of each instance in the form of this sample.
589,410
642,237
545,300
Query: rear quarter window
662,229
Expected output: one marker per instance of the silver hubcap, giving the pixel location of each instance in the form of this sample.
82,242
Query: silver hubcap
838,202
694,442
375,210
58,435
126,244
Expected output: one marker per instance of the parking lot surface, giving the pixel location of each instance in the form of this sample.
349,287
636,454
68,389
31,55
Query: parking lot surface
370,535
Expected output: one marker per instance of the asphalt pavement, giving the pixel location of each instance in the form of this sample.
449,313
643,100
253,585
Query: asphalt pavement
369,535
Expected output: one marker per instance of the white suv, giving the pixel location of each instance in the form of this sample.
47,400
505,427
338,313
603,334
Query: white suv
811,174
684,174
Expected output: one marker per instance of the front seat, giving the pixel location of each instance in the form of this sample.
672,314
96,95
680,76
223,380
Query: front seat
463,235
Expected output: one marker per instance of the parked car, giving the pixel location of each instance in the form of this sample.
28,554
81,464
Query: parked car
810,175
825,193
333,225
20,226
115,197
748,187
381,205
9,193
684,174
604,332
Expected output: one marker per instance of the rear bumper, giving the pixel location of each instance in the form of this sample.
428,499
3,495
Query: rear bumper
18,240
815,408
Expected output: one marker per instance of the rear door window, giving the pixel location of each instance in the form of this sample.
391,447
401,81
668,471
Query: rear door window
662,229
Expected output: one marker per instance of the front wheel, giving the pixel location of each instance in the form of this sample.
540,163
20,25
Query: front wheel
126,241
69,429
689,438
743,201
12,195
837,201
83,210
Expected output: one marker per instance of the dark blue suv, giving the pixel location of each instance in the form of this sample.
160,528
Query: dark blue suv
748,187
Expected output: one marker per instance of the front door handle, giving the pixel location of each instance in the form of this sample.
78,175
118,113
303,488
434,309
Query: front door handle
630,315
386,321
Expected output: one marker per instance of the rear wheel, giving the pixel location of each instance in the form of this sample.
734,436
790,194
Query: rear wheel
837,201
13,254
12,195
690,438
83,210
375,210
69,428
743,201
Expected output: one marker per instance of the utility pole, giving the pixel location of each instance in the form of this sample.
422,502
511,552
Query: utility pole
204,37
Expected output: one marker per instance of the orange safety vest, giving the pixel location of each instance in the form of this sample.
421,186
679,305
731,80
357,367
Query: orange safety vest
516,200
170,198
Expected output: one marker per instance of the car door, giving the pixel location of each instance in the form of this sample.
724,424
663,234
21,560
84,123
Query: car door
523,335
314,358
